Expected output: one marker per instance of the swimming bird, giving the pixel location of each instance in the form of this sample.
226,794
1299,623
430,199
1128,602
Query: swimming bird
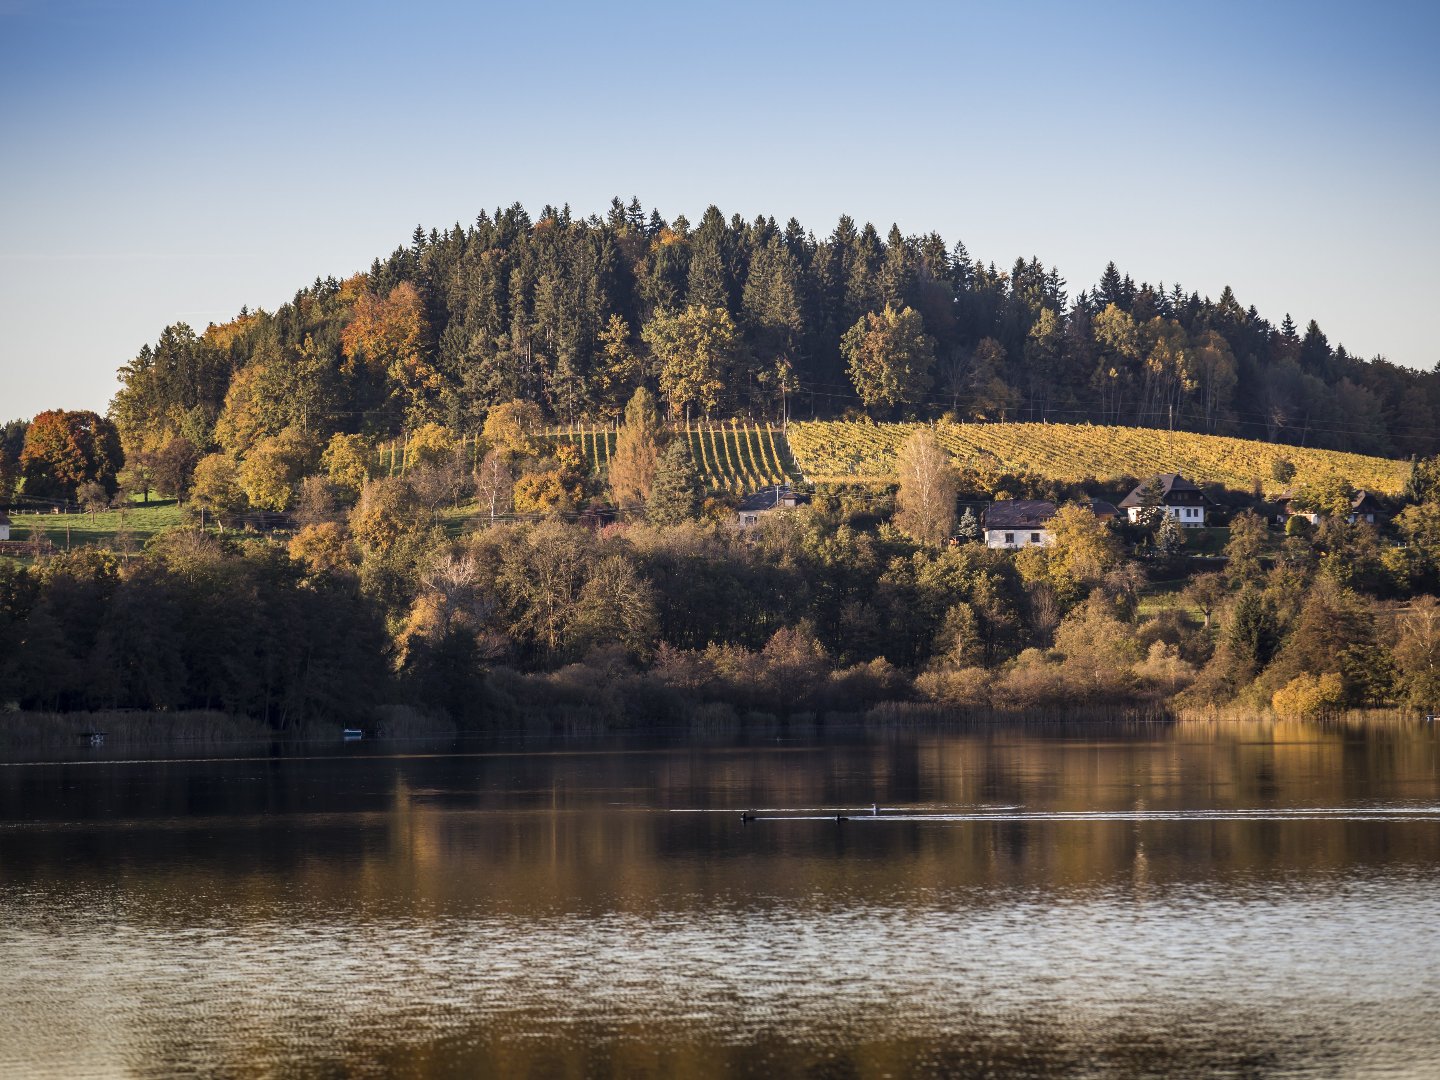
874,808
746,817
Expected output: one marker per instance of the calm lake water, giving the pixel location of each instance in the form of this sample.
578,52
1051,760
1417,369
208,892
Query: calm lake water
1162,900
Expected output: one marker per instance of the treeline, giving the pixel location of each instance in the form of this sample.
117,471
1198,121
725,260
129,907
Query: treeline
737,317
831,607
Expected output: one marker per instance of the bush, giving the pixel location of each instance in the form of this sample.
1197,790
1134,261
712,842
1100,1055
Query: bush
1306,697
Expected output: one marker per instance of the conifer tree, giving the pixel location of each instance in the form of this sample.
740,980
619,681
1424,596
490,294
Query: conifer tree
675,492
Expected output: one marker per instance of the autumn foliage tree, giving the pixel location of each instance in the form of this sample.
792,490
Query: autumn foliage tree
65,449
385,339
696,350
637,451
929,486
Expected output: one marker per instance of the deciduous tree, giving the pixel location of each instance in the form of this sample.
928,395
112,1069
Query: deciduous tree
890,357
637,451
696,351
928,489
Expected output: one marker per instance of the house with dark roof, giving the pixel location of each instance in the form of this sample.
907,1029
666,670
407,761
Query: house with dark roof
752,508
1181,500
1365,507
1017,523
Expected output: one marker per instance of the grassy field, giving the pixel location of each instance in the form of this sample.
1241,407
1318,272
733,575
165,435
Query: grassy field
141,520
831,452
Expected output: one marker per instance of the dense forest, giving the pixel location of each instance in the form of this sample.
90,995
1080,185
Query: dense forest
730,317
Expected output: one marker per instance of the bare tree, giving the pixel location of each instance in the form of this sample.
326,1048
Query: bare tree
315,502
93,497
494,485
928,489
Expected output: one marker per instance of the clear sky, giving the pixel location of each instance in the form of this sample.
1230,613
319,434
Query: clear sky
164,162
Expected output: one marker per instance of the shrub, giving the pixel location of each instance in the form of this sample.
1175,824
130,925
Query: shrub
1307,697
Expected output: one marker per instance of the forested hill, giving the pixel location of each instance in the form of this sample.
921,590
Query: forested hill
728,317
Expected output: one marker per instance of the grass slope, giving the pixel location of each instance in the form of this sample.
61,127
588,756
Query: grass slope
142,520
841,452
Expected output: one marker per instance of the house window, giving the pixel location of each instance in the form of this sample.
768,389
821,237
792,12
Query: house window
1009,539
1034,538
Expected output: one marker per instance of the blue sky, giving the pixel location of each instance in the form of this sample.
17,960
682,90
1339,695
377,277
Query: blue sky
171,162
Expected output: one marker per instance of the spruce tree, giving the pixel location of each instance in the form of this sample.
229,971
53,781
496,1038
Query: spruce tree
675,493
969,527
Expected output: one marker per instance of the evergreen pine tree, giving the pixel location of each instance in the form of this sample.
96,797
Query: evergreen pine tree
675,492
969,527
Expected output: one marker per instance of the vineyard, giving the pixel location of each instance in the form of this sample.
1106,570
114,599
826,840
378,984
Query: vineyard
737,457
838,452
733,456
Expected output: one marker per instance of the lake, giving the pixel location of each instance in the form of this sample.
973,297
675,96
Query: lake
1049,899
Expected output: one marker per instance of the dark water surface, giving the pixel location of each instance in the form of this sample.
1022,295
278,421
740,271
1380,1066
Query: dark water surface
1187,900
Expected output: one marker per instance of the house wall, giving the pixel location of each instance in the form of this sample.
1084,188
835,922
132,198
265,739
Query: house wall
4,532
1016,538
1191,517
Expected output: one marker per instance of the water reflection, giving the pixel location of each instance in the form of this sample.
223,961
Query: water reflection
1160,900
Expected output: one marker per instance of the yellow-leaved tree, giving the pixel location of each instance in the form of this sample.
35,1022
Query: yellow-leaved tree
385,338
696,350
928,489
637,451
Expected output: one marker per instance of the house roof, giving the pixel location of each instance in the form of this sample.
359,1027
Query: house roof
1019,514
1365,500
1169,484
4,520
771,498
1102,509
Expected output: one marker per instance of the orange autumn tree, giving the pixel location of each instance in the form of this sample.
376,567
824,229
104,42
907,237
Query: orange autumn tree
385,340
64,449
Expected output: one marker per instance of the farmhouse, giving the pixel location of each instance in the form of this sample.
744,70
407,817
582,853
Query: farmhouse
1181,500
1364,506
767,500
1017,523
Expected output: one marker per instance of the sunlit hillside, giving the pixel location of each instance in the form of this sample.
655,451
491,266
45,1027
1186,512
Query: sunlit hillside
1072,453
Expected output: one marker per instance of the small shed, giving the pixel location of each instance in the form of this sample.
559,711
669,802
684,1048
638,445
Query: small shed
752,508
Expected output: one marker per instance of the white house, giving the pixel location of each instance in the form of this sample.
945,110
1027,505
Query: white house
1017,523
1179,499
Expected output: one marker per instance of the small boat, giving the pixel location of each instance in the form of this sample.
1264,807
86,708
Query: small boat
350,734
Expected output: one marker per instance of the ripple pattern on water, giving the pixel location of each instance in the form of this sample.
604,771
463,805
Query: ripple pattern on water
1341,974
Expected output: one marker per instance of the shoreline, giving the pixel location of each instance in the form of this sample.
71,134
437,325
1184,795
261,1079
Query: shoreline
34,736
